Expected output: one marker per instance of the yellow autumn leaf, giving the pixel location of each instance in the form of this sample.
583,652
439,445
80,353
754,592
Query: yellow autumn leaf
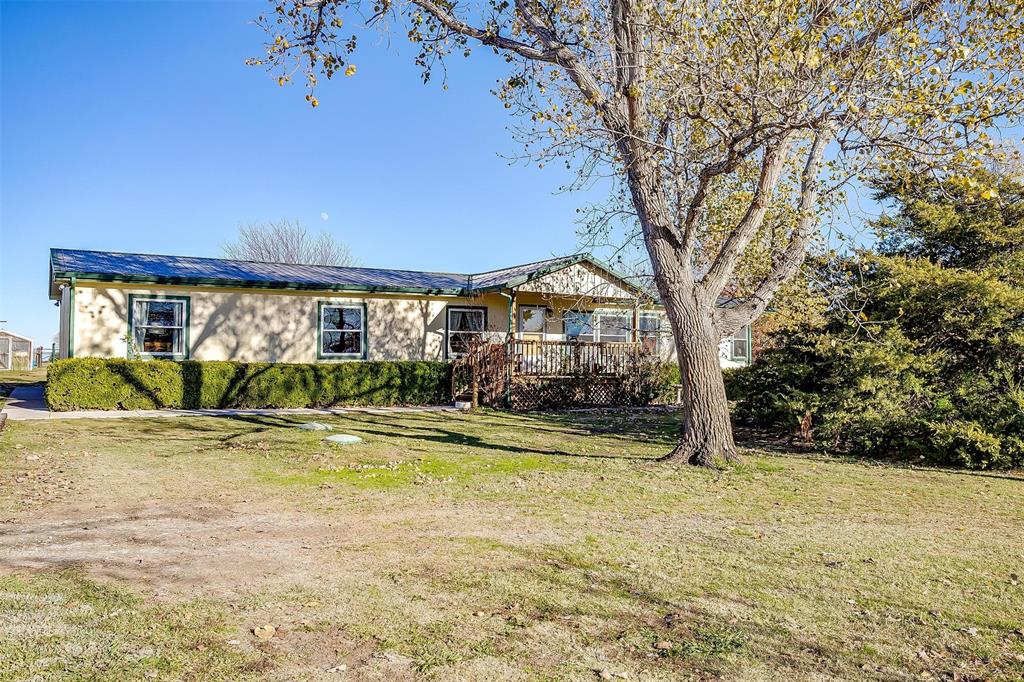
350,70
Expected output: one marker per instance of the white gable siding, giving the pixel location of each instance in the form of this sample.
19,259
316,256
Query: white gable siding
577,280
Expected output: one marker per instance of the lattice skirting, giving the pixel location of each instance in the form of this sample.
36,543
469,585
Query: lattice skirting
552,393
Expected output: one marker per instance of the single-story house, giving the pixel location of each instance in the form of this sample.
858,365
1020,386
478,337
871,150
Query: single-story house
177,307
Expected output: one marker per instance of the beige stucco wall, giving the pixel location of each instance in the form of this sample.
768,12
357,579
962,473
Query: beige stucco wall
266,326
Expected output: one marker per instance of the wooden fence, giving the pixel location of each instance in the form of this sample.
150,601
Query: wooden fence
482,375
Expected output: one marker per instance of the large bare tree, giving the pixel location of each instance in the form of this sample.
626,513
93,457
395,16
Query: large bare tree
282,241
732,126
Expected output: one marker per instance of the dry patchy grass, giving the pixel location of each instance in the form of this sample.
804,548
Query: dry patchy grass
490,546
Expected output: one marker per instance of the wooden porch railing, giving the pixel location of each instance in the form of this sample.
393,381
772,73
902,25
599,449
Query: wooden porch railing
481,376
571,358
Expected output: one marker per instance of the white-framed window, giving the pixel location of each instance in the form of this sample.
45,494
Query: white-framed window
614,326
159,326
342,331
649,331
464,327
579,325
533,320
741,345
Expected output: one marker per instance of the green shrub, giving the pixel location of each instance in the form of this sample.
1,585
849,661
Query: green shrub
116,384
666,376
733,385
921,355
893,395
89,383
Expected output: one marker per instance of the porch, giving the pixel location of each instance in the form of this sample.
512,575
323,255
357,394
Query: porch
529,374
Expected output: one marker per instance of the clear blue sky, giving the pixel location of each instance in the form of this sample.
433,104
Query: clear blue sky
137,127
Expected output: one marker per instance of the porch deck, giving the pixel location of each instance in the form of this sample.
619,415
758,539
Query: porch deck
533,374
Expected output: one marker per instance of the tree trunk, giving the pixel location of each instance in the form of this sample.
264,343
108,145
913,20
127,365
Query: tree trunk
707,430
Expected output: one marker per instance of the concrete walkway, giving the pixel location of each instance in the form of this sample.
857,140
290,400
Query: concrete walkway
26,403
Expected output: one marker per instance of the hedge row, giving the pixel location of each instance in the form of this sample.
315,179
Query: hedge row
94,383
667,376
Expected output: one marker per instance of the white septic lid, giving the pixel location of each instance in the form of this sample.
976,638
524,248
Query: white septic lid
315,426
343,439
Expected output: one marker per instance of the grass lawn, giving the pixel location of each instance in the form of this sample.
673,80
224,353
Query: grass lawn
490,546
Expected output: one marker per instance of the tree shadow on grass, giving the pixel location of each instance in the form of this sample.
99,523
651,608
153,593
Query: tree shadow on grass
448,437
698,634
632,424
130,430
415,427
637,424
781,445
432,428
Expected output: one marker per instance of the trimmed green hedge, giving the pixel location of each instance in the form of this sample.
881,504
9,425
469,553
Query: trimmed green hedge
99,384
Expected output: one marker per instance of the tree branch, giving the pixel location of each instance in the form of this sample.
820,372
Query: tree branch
733,158
489,38
567,59
871,38
627,54
731,319
772,165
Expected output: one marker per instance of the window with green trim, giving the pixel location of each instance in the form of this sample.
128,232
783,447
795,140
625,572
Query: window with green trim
579,325
342,330
465,327
741,345
614,326
533,319
160,326
649,331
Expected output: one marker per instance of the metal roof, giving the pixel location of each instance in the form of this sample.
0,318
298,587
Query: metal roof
163,269
517,274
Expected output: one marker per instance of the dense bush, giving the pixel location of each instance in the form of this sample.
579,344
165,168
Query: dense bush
922,357
887,397
666,376
93,383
